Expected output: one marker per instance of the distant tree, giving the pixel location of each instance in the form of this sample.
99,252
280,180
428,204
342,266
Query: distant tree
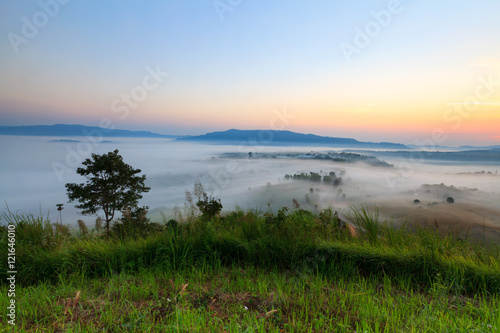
450,200
315,177
60,208
111,186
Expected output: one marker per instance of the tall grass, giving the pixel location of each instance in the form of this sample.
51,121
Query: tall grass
367,220
289,271
297,241
34,234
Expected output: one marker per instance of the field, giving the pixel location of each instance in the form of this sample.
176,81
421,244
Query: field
287,271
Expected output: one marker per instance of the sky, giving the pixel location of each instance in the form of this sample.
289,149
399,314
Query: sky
409,71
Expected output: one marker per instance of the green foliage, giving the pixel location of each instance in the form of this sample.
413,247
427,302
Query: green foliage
450,200
134,224
328,216
329,223
276,223
208,205
111,185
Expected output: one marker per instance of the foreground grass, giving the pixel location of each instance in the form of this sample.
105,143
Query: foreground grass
238,299
284,272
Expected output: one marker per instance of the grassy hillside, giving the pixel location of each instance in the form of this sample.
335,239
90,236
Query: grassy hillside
290,271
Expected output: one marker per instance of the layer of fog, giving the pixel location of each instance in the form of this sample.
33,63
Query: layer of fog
34,171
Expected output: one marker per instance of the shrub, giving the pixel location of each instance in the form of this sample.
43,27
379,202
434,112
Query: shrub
208,205
134,224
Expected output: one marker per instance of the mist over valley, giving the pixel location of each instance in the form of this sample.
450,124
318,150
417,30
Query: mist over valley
260,178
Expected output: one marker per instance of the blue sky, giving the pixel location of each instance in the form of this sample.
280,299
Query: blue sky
262,56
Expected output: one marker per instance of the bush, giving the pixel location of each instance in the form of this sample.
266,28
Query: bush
134,224
208,205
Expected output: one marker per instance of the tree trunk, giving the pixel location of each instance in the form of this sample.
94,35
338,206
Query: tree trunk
107,223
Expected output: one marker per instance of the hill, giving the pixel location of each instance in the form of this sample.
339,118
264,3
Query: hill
77,130
280,138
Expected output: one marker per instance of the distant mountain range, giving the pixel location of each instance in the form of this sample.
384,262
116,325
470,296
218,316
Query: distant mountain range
283,138
77,130
232,136
476,147
476,155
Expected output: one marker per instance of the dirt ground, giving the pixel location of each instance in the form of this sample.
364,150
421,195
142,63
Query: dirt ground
471,219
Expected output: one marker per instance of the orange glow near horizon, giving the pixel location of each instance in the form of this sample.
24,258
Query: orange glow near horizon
378,104
191,72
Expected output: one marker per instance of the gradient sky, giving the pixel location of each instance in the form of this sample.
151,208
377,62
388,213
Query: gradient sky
431,66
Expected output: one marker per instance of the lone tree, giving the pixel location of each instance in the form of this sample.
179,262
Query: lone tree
111,186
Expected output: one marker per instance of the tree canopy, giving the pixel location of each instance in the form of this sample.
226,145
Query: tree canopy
111,186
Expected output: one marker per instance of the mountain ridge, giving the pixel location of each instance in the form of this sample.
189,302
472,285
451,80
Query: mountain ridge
77,130
264,137
276,137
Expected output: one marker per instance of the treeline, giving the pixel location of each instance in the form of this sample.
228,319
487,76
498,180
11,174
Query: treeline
330,179
345,157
